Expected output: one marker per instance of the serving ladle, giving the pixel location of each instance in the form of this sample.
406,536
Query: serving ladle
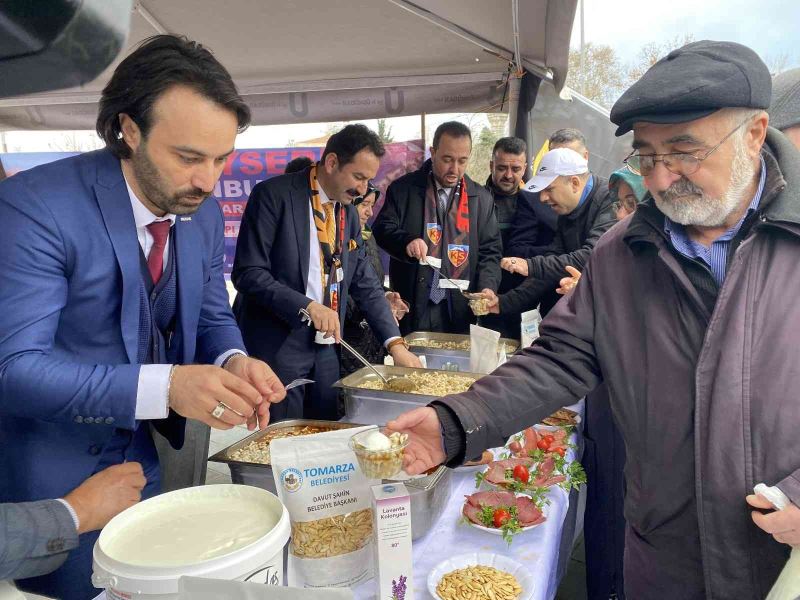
394,384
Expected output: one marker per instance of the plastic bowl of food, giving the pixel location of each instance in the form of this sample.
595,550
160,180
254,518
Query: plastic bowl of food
379,452
478,303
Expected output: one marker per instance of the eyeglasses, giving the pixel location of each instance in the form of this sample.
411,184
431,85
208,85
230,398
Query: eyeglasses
679,163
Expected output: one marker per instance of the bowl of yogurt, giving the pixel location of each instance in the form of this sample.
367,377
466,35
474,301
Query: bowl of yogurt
379,452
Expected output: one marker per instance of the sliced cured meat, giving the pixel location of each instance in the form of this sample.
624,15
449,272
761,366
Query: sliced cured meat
491,499
560,436
527,512
544,471
553,480
496,473
510,463
472,513
531,438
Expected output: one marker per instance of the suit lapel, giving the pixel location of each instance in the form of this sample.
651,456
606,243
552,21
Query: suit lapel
299,202
189,269
115,206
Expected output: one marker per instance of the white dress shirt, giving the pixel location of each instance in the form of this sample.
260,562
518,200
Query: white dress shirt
152,393
314,282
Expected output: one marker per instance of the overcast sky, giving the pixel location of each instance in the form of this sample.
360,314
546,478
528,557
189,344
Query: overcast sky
770,27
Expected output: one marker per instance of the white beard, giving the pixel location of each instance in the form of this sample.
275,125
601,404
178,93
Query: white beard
686,203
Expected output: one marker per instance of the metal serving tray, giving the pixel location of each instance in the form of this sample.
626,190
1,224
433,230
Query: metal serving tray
260,474
380,406
443,358
428,494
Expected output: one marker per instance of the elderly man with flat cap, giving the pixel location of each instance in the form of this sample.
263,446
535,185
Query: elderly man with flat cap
687,310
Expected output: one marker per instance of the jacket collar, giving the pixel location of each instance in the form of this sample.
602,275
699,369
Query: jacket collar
598,183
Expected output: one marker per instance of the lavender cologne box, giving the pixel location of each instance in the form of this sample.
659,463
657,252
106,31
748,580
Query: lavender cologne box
391,510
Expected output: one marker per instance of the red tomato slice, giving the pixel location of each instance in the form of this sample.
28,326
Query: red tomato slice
521,473
501,517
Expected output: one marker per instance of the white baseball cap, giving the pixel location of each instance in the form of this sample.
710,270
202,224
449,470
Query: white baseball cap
561,161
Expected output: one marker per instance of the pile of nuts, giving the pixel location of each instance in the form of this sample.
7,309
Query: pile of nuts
450,345
478,583
431,383
257,451
333,536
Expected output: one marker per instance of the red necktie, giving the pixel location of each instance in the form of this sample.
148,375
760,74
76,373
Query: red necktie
155,261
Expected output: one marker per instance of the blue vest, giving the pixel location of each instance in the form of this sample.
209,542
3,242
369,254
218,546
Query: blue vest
157,319
157,312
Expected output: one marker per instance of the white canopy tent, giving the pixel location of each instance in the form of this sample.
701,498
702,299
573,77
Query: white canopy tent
329,60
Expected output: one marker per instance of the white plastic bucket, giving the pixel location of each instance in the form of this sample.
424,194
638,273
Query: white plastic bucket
126,569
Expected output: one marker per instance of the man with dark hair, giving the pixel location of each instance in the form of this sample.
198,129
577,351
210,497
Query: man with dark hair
112,266
440,216
511,204
584,211
298,258
301,163
687,311
569,138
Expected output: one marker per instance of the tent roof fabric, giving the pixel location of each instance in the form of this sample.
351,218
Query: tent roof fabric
321,60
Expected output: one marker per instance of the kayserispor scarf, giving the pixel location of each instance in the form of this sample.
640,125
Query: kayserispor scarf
330,234
448,241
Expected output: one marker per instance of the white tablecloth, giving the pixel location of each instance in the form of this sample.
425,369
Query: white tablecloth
538,548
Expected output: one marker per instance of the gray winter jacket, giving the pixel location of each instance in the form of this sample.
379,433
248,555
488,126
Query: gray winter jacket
705,393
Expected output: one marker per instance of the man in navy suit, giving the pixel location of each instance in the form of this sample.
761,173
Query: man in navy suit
112,278
298,256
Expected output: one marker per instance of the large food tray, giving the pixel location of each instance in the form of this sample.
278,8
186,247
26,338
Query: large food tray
428,494
260,474
379,406
445,358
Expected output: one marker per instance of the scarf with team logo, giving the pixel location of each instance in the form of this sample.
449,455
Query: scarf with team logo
330,234
448,241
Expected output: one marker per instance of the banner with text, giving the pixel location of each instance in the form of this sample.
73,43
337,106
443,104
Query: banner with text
246,168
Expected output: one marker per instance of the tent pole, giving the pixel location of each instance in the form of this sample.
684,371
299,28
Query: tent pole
514,85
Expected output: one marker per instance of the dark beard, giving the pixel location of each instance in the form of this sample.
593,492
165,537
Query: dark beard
155,189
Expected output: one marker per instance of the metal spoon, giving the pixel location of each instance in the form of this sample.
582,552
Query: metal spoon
396,384
298,382
443,276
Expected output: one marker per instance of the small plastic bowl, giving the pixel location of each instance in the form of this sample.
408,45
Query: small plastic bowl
377,464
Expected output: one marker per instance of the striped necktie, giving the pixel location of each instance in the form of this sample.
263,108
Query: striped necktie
438,294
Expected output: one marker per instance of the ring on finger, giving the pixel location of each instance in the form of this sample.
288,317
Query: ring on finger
218,410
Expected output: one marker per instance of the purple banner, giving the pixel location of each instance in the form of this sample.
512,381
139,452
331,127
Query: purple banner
244,169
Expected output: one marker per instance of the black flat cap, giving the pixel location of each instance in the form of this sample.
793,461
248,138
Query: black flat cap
694,81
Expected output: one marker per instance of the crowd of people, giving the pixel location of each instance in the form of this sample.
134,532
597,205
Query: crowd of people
667,290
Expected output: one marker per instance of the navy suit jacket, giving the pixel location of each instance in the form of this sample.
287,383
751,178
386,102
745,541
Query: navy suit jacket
69,318
271,267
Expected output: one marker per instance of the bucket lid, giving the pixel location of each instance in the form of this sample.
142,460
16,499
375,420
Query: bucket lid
220,531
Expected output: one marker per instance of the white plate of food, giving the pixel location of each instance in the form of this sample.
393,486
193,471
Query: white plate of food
488,510
451,574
